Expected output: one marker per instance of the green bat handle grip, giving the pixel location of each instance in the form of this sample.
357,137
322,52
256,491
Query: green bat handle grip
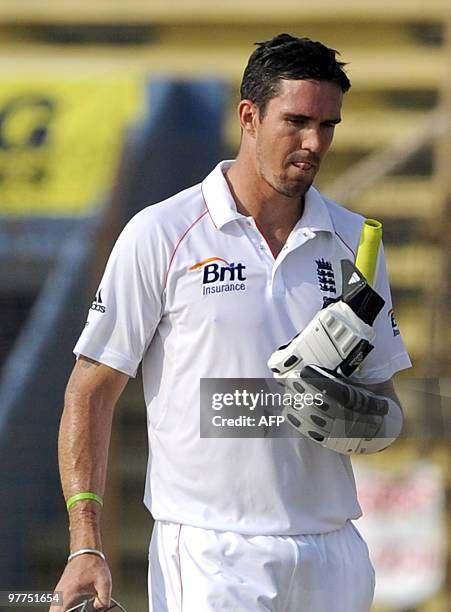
368,250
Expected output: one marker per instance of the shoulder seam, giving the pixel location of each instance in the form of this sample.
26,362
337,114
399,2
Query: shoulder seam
182,237
346,244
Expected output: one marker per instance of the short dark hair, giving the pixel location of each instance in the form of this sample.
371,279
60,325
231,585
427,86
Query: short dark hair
288,57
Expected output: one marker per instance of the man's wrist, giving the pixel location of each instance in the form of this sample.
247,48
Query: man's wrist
84,526
85,512
86,551
85,540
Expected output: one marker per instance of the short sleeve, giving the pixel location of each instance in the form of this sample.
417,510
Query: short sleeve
389,354
128,303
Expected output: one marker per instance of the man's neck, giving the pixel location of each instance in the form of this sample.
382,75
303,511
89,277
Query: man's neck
275,214
272,211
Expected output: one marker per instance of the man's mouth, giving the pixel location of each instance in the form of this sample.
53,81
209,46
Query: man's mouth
303,165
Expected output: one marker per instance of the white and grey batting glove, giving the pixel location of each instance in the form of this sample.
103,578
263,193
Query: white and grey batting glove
339,415
340,336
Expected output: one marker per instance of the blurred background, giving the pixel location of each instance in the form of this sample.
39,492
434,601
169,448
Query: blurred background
109,106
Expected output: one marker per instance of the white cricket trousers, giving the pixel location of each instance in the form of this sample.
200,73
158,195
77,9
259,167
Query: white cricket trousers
201,570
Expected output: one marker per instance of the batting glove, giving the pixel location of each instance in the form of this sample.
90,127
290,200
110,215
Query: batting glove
338,415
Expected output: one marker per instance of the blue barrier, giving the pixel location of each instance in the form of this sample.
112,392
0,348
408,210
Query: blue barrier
173,146
31,396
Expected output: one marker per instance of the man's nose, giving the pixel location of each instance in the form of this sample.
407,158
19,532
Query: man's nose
311,140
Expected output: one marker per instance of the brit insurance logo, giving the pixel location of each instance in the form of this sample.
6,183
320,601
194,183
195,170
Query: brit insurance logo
220,276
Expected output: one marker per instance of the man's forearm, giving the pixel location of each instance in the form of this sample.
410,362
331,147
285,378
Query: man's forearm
83,444
83,454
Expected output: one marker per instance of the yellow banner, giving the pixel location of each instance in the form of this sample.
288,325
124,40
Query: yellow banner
60,140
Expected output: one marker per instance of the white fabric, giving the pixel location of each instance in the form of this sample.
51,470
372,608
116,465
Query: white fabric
156,309
198,570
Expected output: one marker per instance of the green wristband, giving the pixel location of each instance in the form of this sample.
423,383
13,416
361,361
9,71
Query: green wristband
87,495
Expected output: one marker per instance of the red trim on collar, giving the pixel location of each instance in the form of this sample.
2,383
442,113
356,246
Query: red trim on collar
205,201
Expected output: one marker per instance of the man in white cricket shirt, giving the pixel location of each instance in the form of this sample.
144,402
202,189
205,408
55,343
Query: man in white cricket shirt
207,284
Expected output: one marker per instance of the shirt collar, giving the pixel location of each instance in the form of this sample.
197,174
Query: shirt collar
316,216
217,196
222,207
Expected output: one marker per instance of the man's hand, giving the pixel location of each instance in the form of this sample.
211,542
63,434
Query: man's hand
86,575
338,415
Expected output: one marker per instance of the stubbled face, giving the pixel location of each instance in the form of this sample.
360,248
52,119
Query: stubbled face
295,133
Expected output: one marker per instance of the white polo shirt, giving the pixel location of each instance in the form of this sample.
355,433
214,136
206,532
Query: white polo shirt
192,289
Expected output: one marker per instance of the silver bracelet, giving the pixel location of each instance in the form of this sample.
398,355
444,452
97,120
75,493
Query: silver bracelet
86,551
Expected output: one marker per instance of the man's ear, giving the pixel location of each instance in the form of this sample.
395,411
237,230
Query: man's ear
249,117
